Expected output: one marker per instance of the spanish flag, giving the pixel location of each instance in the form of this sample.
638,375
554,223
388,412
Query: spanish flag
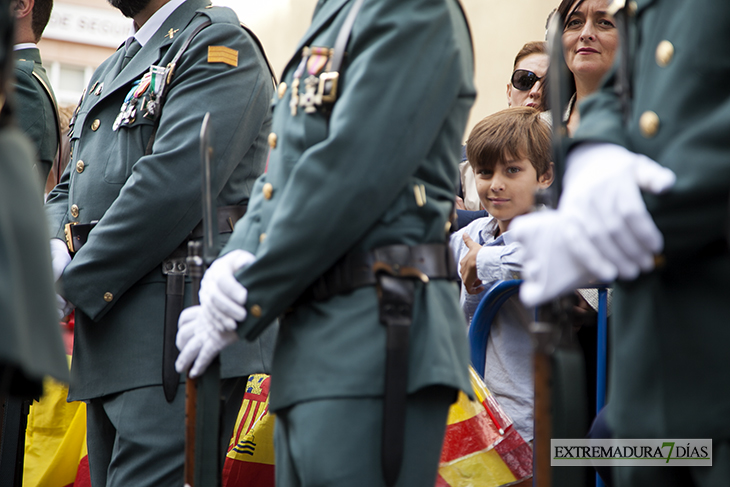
481,447
55,438
250,457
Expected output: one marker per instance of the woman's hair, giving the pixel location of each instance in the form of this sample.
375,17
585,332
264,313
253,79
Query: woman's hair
518,132
565,10
535,47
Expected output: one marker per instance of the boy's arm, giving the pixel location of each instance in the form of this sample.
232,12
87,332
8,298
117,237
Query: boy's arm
498,262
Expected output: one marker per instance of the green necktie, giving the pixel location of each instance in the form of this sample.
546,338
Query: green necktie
130,51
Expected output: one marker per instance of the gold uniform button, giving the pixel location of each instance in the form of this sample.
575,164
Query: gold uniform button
262,237
664,53
95,125
74,211
272,140
649,124
633,6
108,297
268,190
282,90
80,166
447,226
256,311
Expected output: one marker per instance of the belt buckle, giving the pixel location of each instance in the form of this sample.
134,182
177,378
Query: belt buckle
396,270
68,236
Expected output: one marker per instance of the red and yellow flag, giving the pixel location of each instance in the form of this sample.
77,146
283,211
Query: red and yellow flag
481,447
250,457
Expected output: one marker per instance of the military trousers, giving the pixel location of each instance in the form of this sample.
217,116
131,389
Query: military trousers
137,438
336,442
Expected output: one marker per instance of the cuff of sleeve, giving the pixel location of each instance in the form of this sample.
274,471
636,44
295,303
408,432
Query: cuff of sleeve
489,264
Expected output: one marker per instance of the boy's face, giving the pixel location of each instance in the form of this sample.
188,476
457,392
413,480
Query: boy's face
508,190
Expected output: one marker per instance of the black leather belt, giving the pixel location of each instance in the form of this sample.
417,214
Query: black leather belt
78,233
358,269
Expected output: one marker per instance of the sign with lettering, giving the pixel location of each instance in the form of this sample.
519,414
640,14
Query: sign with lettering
85,25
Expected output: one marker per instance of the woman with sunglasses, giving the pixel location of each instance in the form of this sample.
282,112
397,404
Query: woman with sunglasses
526,86
590,40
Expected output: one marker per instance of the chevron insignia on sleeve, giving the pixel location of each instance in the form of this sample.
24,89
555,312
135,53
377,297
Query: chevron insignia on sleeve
223,54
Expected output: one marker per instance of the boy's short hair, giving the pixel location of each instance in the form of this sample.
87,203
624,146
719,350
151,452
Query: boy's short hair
518,132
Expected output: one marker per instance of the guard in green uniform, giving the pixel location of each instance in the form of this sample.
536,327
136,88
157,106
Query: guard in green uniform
663,113
35,102
127,204
346,242
31,345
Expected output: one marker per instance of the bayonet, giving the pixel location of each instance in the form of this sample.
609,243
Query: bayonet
202,406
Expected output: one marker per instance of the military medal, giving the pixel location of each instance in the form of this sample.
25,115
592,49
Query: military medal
310,99
158,77
128,112
294,102
314,60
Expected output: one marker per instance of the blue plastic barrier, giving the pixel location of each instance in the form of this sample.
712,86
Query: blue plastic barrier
481,322
496,296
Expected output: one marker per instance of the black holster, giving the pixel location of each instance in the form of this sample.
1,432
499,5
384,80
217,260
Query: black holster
175,268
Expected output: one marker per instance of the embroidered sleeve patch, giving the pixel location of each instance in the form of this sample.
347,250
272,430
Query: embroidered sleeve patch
223,54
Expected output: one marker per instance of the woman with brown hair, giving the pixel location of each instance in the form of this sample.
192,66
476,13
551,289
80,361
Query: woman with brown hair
590,40
527,83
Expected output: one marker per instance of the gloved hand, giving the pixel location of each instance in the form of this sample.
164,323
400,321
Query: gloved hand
601,229
602,196
60,258
222,297
198,341
550,267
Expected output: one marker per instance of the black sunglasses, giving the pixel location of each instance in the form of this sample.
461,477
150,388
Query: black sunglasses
523,79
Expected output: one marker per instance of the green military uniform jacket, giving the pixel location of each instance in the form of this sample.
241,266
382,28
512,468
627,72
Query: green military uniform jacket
35,107
147,205
347,181
31,339
670,374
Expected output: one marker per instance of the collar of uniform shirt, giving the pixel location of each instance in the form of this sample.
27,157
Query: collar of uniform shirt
149,28
25,45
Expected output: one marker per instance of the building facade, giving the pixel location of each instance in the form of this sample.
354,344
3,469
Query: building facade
82,33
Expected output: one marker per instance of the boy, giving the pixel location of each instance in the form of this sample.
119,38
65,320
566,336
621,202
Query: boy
509,152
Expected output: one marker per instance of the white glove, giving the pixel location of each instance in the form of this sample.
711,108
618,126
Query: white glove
64,307
549,267
602,196
222,297
601,229
60,258
199,342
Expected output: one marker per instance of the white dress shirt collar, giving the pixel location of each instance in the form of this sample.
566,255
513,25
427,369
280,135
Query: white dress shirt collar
145,33
25,45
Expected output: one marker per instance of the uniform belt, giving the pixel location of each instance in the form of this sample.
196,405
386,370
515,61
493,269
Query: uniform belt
78,233
358,269
394,269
